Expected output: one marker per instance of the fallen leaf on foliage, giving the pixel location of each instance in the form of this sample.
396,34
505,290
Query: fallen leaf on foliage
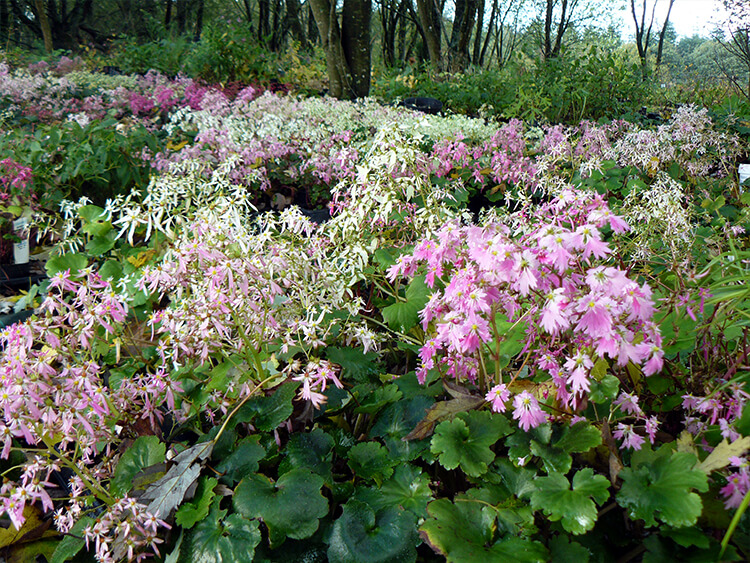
685,443
442,411
615,463
169,491
719,458
32,528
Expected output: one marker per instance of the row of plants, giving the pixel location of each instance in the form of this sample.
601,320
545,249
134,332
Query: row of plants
508,342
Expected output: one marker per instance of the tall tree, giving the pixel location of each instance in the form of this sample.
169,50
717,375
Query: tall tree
64,20
559,16
346,45
734,37
463,25
431,20
643,26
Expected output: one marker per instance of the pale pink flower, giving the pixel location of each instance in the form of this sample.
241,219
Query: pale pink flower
497,396
527,411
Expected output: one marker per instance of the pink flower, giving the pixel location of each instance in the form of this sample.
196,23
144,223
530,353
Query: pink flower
497,396
628,436
527,411
628,404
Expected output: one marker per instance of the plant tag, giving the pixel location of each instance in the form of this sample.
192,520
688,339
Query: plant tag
744,172
21,249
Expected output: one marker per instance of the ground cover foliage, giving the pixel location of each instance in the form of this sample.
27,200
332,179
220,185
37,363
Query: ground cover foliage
509,341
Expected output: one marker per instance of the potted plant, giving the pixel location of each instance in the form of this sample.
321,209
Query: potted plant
17,203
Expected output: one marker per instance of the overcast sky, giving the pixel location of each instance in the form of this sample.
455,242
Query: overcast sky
689,17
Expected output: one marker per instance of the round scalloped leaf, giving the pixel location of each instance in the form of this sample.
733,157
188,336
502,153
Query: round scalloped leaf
574,507
309,450
290,507
464,532
660,485
145,452
361,535
243,459
219,538
466,441
370,460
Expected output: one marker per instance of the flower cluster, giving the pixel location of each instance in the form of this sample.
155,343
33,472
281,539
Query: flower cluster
60,406
545,276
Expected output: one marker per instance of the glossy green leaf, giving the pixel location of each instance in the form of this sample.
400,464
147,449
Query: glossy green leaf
99,245
409,488
361,535
72,262
370,460
309,450
355,364
466,441
243,460
73,542
145,451
219,538
404,315
563,550
566,440
379,398
192,512
464,532
575,507
266,413
291,507
660,486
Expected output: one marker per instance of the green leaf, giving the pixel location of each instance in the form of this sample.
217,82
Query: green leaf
553,495
355,364
243,460
219,538
266,413
409,488
464,532
73,262
145,452
99,245
404,315
660,486
311,450
90,213
190,513
370,460
743,424
604,389
381,397
111,270
361,535
441,411
565,551
466,441
579,438
291,507
396,421
72,542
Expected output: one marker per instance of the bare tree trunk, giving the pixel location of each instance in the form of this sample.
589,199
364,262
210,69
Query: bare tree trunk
167,14
41,14
294,24
431,20
198,21
355,42
264,18
347,46
663,34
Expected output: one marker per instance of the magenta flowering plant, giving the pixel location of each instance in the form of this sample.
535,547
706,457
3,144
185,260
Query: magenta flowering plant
64,415
534,301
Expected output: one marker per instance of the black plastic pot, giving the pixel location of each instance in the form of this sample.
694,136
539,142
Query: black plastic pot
425,105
